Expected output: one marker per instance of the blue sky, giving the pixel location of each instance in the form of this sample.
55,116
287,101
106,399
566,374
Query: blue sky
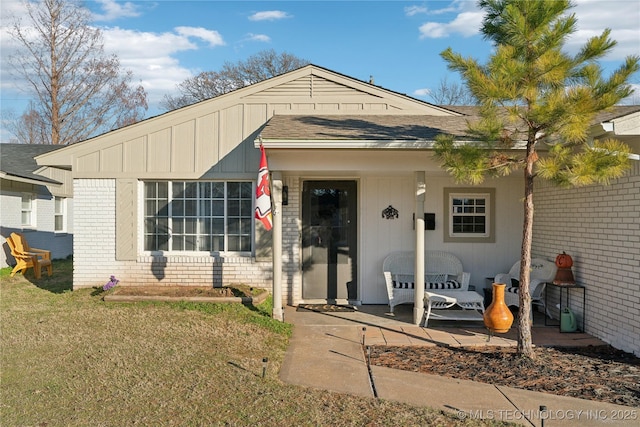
164,42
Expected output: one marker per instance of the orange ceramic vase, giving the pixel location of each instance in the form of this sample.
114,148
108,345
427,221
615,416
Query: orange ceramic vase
497,317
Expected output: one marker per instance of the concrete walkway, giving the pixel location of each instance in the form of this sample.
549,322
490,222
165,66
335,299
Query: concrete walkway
327,352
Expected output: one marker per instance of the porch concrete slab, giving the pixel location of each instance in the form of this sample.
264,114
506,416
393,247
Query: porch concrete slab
418,336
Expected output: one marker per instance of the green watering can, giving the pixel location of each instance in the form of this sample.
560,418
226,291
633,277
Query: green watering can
568,321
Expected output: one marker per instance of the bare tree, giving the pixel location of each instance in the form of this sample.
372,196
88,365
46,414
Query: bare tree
209,84
79,91
448,93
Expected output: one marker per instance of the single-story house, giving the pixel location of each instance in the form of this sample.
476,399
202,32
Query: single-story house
170,200
36,201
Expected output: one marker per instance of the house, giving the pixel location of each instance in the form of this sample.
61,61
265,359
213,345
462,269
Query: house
170,200
36,201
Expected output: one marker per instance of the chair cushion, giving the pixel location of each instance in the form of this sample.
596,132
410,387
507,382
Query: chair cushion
513,289
449,284
515,282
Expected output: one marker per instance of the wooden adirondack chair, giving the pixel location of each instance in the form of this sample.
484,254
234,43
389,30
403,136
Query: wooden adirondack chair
27,257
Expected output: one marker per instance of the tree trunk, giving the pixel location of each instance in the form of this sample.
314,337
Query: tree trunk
525,344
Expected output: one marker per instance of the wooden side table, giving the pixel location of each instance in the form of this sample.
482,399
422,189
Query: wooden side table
567,287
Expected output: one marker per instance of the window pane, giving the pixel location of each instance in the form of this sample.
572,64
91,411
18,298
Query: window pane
233,190
177,208
218,226
191,190
218,208
245,207
217,190
59,223
191,207
163,190
190,226
246,191
217,243
233,208
234,243
233,226
190,243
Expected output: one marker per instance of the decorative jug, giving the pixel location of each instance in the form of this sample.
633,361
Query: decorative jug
497,317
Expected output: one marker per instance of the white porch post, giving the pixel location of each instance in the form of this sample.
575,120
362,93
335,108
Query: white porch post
418,306
276,197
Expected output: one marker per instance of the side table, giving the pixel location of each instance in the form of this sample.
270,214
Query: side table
567,287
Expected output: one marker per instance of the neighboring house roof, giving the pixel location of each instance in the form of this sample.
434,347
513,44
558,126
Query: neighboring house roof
17,162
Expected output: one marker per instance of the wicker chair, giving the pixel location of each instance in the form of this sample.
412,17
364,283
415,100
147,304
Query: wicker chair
443,270
542,271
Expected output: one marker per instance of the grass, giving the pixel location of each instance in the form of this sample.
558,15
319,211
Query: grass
71,359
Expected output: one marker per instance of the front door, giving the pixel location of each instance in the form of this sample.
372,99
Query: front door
329,234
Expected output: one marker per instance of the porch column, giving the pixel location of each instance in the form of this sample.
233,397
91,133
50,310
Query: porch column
276,211
418,306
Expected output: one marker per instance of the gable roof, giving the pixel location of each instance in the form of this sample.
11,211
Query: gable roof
17,162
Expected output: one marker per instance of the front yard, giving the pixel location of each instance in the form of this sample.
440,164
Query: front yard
69,358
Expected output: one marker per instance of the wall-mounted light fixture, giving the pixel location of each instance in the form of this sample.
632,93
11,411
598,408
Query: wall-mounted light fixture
285,195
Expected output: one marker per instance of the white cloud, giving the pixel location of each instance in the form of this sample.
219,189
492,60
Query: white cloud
151,57
211,36
258,38
466,24
269,15
113,10
593,16
422,92
415,10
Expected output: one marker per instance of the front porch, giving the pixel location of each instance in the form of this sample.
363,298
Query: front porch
383,328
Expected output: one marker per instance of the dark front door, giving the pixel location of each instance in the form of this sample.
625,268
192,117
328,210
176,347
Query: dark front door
329,234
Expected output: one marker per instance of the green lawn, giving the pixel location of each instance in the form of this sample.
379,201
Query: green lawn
70,359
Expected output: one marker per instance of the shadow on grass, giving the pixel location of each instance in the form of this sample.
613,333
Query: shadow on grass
59,282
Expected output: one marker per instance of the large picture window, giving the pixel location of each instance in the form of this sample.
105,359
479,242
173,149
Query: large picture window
198,216
469,215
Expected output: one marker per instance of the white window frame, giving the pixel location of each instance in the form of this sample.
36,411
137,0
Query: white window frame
486,210
60,202
27,198
172,217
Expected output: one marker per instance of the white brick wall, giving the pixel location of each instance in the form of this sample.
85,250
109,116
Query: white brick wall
599,226
95,261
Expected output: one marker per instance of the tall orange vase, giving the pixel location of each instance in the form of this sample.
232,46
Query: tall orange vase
497,317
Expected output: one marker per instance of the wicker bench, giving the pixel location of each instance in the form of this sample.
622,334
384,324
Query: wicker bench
443,271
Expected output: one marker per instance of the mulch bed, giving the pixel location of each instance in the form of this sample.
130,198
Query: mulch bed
599,373
187,291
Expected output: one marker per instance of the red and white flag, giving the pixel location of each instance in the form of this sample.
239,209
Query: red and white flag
263,193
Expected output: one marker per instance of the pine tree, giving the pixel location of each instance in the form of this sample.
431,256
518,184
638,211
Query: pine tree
531,92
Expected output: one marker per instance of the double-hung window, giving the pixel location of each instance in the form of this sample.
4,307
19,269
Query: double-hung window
211,216
469,215
26,213
59,214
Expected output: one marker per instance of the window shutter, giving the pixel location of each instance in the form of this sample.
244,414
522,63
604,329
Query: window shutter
126,220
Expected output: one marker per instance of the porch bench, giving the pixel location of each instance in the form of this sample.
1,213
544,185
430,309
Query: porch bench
443,271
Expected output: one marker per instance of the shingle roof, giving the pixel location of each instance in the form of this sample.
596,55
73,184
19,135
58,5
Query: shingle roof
366,127
386,127
18,160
